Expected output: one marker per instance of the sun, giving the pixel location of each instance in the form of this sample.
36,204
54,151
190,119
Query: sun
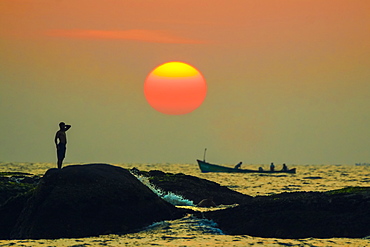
175,88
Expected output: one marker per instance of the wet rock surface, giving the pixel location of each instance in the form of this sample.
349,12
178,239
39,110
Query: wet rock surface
339,213
87,200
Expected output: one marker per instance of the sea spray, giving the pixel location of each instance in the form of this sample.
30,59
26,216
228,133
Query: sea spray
170,197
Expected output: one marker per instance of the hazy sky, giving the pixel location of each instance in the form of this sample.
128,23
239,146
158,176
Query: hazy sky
288,80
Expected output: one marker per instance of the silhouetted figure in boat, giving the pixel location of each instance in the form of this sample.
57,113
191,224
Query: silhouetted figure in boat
272,167
260,169
285,168
62,144
238,165
207,203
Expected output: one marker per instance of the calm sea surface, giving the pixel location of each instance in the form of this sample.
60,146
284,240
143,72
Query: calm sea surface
191,231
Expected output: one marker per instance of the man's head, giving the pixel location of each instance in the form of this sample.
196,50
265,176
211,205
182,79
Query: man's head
62,125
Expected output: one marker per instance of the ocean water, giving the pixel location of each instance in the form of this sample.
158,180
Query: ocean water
192,231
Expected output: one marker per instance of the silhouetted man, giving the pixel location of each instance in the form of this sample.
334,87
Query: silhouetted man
62,145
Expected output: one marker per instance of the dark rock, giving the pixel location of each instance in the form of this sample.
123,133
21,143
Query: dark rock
30,180
312,178
156,173
15,174
15,189
195,189
300,215
89,200
207,203
9,213
14,185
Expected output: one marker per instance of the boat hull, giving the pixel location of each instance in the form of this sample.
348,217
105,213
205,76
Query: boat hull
207,167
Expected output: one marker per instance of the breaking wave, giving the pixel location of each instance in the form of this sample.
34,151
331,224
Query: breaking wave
176,200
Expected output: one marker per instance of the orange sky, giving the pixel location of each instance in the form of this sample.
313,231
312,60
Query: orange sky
288,80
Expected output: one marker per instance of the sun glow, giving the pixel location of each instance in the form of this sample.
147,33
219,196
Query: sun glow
175,88
175,69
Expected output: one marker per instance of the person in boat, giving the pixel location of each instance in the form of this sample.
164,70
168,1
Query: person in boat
285,168
272,167
238,165
260,169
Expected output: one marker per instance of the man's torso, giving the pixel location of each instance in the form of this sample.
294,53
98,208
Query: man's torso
61,135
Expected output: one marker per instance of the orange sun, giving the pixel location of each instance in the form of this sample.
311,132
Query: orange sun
175,88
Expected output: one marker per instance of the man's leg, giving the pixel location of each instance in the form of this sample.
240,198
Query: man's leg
61,154
60,161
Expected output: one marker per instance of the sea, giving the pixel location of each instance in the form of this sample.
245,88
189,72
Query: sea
193,231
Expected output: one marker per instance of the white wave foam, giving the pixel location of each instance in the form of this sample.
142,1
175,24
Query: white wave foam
170,197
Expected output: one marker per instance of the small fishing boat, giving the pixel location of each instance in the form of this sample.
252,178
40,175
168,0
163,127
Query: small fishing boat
207,167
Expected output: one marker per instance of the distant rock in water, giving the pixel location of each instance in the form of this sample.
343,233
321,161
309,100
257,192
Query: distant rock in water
89,200
338,213
312,178
194,188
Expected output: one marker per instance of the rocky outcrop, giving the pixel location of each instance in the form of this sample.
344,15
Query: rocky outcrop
15,183
339,213
89,200
94,199
193,188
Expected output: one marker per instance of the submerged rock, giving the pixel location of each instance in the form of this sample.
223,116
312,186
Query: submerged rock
339,213
89,200
194,188
207,203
